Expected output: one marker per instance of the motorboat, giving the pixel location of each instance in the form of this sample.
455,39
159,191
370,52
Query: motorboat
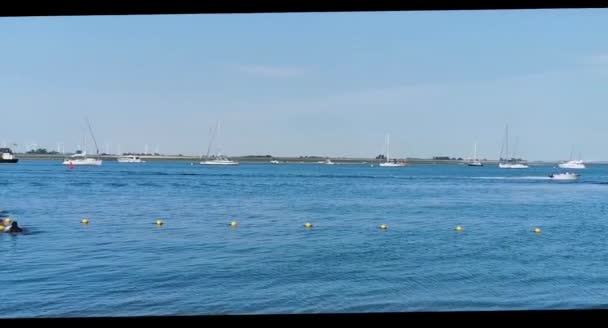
564,176
7,156
130,159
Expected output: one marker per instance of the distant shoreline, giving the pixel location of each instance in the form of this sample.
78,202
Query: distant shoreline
292,160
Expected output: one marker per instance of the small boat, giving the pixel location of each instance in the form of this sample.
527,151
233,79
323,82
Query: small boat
564,176
475,161
512,163
572,163
217,159
220,160
388,162
274,161
130,159
326,162
394,163
7,157
80,158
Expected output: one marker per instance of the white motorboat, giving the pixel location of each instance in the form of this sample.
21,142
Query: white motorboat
564,176
130,159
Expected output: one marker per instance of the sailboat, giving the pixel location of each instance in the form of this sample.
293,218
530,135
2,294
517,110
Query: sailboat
573,164
80,158
388,162
475,161
217,159
512,163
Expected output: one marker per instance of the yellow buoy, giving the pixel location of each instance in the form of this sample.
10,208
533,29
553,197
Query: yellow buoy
537,230
459,228
308,225
234,224
159,222
85,221
8,221
383,226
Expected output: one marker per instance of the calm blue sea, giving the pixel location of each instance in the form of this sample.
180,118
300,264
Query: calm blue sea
122,264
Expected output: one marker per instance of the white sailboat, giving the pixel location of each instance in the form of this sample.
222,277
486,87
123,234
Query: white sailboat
512,163
475,161
218,158
80,158
388,162
573,164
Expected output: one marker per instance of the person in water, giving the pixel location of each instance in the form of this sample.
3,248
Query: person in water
14,228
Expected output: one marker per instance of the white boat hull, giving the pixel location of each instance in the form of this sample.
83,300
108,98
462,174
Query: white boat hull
219,162
576,166
564,176
512,166
87,161
129,160
391,164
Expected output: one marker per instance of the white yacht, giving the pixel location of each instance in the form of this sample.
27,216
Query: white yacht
512,163
577,164
274,161
388,162
217,159
130,159
80,158
326,162
573,164
474,161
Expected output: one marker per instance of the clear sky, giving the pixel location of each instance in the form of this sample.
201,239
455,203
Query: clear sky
328,84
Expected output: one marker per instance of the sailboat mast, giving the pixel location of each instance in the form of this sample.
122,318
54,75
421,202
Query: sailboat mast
92,136
571,152
475,151
212,133
507,142
388,147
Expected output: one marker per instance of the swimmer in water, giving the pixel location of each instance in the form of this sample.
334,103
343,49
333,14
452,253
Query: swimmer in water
14,228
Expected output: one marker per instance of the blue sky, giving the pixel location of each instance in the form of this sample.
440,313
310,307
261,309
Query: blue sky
329,84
